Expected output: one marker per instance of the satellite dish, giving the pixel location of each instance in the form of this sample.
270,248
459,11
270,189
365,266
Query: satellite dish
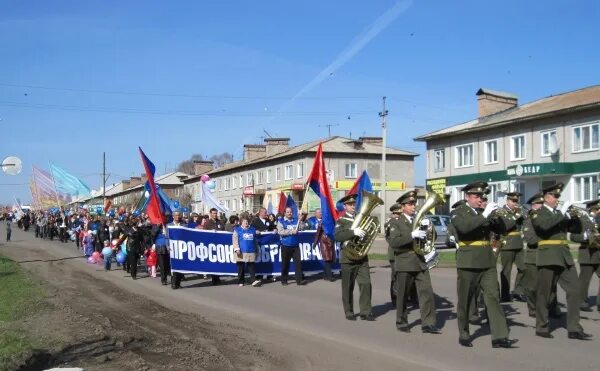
554,147
12,165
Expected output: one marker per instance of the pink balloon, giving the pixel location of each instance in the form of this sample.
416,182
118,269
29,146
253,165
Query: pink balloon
90,260
205,178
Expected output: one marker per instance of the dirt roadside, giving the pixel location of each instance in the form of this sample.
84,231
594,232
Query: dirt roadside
94,324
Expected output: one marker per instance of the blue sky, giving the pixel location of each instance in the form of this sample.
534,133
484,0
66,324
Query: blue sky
181,77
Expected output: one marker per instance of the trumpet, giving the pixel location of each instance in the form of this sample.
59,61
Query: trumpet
576,212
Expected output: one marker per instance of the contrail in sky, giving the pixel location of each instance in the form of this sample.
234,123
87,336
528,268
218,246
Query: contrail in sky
356,45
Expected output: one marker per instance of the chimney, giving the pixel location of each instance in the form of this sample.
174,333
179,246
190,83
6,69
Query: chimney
134,181
254,151
202,167
277,145
372,140
491,101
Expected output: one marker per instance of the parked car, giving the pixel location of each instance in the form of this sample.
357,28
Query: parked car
440,223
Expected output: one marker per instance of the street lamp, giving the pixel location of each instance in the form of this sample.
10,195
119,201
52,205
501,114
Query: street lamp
383,114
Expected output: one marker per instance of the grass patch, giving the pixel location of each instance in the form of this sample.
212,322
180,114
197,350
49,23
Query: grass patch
19,298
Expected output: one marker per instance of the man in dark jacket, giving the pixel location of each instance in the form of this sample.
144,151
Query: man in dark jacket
215,224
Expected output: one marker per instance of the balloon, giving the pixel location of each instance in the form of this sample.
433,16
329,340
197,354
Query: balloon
114,242
99,210
124,249
176,204
90,260
111,213
136,213
211,184
205,178
121,258
185,210
96,256
147,194
107,252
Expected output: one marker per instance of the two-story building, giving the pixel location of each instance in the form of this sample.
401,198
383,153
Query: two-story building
520,147
274,167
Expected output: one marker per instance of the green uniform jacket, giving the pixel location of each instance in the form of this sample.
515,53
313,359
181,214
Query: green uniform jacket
511,237
470,225
390,251
401,242
531,239
587,254
343,232
552,226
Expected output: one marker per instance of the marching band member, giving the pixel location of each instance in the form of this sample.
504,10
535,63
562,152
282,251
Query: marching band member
589,255
511,251
410,267
476,266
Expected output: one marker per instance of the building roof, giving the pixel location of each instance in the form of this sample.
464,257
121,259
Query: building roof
335,144
573,101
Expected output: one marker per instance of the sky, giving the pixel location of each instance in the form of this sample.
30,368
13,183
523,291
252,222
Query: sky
79,78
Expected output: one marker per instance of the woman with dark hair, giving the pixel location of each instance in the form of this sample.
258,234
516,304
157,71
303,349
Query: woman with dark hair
245,247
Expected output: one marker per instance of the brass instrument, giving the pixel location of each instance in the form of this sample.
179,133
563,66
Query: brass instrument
357,248
426,247
576,212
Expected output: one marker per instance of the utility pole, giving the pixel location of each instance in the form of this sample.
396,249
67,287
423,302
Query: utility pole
383,114
103,179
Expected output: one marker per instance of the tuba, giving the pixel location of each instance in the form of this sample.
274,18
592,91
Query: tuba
426,247
357,248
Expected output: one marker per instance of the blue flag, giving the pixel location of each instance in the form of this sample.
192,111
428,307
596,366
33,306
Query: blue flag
67,183
291,203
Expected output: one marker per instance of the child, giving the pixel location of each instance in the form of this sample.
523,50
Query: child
8,230
88,244
151,259
107,259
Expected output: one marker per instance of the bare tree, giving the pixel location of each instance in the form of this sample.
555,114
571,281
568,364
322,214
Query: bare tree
187,166
221,159
186,200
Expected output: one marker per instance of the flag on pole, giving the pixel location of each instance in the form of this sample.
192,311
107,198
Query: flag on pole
43,186
67,183
281,203
153,209
317,181
292,204
363,183
208,199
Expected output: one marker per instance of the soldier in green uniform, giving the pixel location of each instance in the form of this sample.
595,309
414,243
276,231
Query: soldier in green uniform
410,267
511,249
589,254
555,264
353,270
390,255
476,266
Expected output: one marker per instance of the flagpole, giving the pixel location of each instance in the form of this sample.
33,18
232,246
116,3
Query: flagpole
303,202
54,182
37,195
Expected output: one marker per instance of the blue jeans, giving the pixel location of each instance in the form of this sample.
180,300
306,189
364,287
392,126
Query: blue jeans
107,261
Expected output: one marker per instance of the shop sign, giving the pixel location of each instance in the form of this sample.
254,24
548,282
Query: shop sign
437,185
523,170
390,186
248,190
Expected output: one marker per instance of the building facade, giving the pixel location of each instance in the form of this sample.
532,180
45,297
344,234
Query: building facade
520,147
274,167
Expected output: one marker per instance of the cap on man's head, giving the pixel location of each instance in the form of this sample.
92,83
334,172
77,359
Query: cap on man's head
476,188
555,189
458,203
349,199
396,208
410,196
513,196
537,198
593,204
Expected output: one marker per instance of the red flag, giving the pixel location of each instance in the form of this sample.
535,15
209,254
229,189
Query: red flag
153,208
318,183
282,202
107,205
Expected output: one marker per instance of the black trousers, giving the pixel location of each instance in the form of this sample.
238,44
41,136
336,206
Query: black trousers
251,270
327,274
8,233
288,253
133,258
164,264
176,280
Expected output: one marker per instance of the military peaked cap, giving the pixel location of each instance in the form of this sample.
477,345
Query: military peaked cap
396,208
593,204
476,187
349,199
537,198
555,189
513,196
410,196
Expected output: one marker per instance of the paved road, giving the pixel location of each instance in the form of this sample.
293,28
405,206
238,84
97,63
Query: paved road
309,321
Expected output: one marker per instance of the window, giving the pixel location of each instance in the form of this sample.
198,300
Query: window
233,178
289,172
220,182
227,183
277,174
233,204
439,160
586,187
492,197
549,142
491,151
259,177
585,137
350,170
227,204
464,155
249,179
517,150
241,181
300,170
